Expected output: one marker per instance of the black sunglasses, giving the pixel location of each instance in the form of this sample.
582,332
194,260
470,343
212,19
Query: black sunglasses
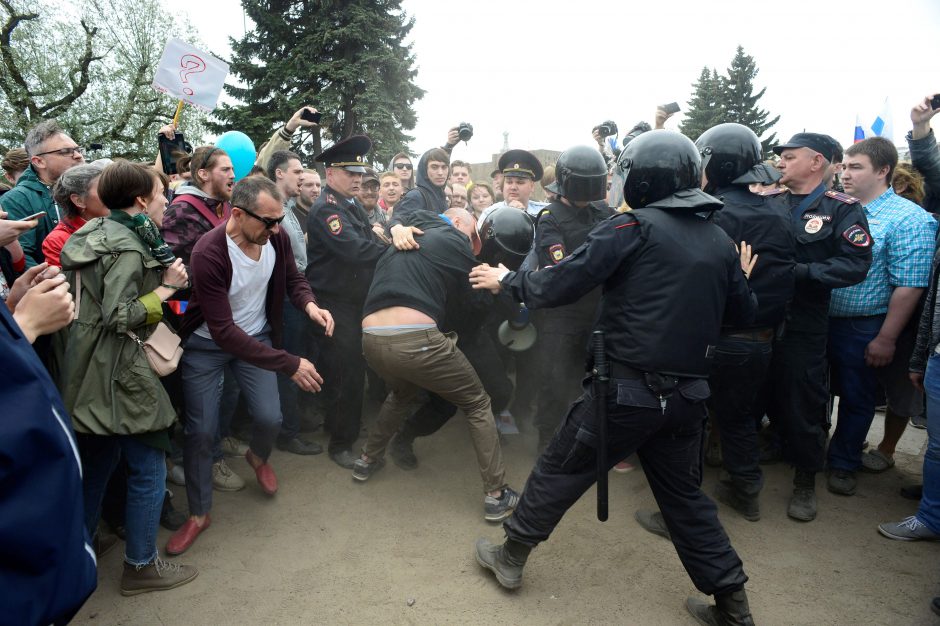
269,222
404,166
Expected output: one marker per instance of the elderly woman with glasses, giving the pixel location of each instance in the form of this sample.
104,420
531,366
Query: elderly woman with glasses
76,193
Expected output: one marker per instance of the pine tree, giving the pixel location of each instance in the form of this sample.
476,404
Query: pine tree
740,101
347,58
705,108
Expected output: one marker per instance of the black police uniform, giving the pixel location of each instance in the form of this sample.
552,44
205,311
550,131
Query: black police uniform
742,359
342,252
833,249
563,332
654,265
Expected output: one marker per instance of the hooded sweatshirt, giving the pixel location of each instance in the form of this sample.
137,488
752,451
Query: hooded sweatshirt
183,224
391,168
421,204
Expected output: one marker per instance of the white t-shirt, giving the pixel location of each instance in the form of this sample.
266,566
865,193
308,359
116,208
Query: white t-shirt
249,288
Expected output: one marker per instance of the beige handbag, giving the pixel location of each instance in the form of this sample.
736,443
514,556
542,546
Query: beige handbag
162,348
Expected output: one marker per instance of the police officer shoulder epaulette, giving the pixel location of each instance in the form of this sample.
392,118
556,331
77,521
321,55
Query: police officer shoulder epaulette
841,197
624,220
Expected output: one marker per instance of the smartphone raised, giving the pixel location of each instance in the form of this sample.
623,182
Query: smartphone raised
310,116
171,150
30,218
672,107
935,102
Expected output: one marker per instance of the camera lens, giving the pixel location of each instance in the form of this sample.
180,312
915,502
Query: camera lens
465,131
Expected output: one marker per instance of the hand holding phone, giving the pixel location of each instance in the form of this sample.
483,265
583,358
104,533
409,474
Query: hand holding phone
672,107
30,218
311,116
935,102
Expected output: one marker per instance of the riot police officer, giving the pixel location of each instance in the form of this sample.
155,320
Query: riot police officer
341,254
652,262
562,226
833,249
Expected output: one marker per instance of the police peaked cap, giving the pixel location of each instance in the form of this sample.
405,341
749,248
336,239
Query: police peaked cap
521,164
349,154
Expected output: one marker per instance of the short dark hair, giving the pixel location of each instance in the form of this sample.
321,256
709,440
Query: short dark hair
879,151
122,182
459,163
246,191
438,154
277,162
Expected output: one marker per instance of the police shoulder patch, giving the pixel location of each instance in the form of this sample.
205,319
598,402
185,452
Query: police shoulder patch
857,236
557,252
335,224
841,197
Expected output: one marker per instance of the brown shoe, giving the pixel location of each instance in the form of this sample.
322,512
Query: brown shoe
158,575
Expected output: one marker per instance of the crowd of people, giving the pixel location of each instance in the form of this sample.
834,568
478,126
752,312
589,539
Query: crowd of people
161,319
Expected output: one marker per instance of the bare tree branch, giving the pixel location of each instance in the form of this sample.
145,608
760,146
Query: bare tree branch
53,109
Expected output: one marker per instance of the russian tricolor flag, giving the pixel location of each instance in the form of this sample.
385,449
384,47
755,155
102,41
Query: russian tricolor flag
859,131
880,127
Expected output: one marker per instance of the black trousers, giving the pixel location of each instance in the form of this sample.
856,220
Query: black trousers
739,372
670,445
798,398
561,359
342,366
479,349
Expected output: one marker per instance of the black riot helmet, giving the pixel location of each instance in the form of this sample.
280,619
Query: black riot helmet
656,165
729,151
580,175
506,236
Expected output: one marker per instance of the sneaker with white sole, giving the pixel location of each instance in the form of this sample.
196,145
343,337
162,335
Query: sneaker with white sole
497,509
362,469
224,479
908,529
232,447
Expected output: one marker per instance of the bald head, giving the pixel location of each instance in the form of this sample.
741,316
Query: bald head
463,221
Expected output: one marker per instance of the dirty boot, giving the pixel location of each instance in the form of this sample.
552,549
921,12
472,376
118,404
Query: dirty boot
158,575
803,501
506,560
746,505
401,449
730,609
652,521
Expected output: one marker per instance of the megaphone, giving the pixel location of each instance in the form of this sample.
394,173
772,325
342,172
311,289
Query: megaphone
517,334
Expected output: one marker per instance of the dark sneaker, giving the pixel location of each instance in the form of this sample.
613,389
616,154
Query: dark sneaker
362,470
652,521
746,506
908,529
841,482
170,518
402,452
497,509
496,558
344,458
300,446
159,575
103,543
802,505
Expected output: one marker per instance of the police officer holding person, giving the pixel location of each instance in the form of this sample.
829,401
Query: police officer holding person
833,249
652,262
563,332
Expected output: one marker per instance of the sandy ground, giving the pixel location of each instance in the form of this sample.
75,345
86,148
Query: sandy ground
327,550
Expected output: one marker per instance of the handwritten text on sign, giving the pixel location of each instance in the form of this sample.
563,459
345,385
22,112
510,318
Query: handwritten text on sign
193,76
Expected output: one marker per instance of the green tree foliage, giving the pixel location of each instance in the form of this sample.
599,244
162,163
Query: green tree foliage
89,65
347,58
717,99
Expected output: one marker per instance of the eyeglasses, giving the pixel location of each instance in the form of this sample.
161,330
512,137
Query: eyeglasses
404,166
269,222
66,152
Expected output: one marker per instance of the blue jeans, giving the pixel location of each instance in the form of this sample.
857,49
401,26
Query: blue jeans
856,384
929,511
146,485
203,363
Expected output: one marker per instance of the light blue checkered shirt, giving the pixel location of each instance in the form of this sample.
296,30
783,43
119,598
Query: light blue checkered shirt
903,236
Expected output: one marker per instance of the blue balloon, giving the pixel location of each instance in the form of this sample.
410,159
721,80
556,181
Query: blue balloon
241,149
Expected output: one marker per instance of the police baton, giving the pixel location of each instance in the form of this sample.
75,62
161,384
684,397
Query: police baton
601,381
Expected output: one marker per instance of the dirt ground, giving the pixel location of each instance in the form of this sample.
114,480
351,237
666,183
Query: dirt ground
399,549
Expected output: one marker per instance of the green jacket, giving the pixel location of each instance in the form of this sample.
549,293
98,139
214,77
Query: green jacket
107,384
30,195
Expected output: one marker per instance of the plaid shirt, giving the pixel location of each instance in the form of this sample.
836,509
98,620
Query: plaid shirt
903,237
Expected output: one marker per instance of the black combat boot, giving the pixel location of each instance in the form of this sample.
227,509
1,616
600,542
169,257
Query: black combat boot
744,504
506,560
803,501
730,609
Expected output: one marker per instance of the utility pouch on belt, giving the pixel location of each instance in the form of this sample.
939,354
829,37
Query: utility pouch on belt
661,386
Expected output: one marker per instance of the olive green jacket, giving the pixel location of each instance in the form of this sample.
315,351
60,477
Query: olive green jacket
106,383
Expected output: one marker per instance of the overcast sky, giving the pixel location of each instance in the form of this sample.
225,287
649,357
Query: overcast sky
548,71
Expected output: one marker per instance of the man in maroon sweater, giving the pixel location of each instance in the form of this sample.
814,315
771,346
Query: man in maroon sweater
242,272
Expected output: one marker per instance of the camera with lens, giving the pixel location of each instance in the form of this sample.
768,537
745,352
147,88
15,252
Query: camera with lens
465,131
607,129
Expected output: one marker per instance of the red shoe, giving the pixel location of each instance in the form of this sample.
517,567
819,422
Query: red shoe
184,537
264,472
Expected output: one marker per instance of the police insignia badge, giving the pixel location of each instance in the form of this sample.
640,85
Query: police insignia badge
557,252
334,224
857,236
813,226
